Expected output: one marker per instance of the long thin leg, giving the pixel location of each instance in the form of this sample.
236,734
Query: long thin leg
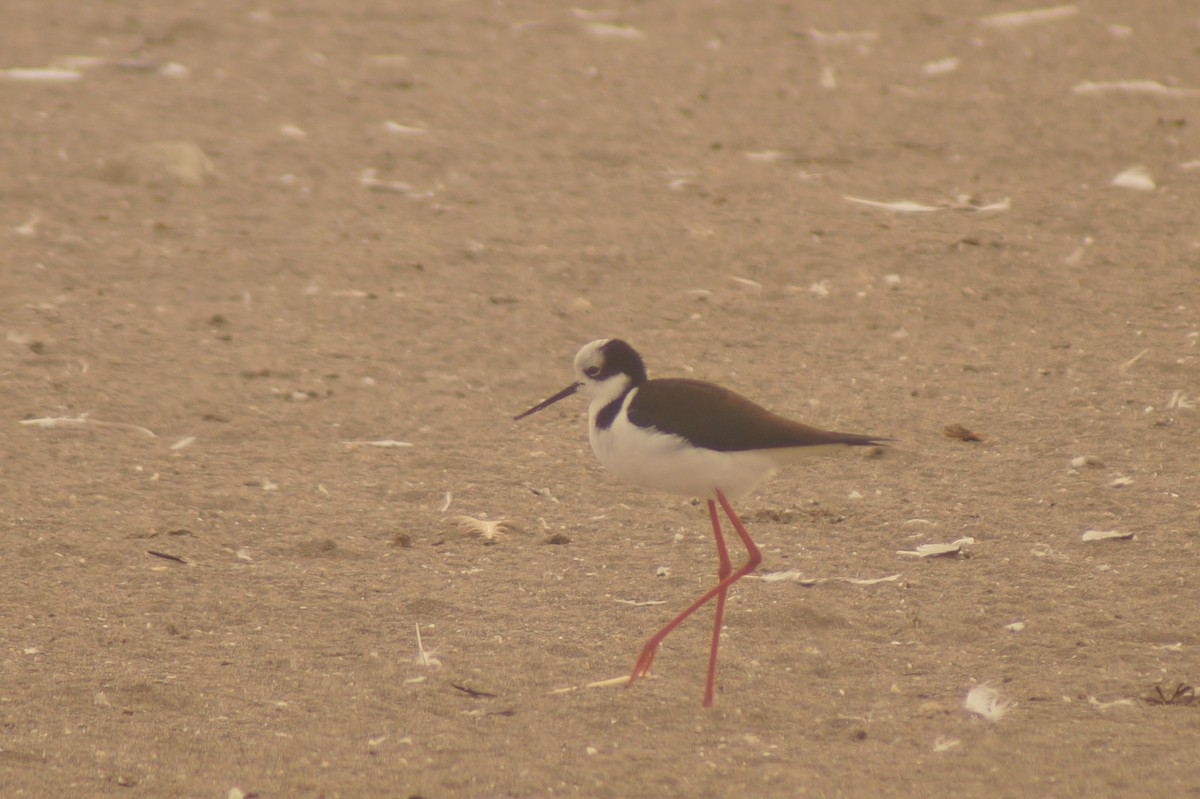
723,571
642,666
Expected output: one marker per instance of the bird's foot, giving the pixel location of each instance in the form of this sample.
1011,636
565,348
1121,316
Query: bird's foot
642,667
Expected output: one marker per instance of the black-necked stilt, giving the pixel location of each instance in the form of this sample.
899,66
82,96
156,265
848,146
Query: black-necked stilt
692,438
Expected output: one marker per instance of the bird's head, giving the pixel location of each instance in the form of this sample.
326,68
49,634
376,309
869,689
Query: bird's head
604,369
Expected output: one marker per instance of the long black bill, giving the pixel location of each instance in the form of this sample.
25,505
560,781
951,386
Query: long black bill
566,392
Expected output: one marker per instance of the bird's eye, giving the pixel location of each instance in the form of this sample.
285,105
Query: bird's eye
592,371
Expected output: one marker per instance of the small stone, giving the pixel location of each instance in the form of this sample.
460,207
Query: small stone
162,162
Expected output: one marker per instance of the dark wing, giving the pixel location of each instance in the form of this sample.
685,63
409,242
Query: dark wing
718,419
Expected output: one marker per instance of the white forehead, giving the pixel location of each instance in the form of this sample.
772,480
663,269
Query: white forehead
590,355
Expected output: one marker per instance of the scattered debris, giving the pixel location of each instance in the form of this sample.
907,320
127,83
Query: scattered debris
83,421
967,203
1076,255
1132,87
173,69
1086,461
1015,627
942,66
1009,20
183,443
490,532
165,556
1137,178
1180,400
1103,706
1179,694
766,156
606,30
680,183
985,701
404,130
472,692
29,229
960,203
389,60
593,13
161,162
943,743
795,576
937,550
385,443
828,78
642,603
559,539
544,493
956,430
1134,360
426,657
1121,482
598,684
859,39
82,63
368,178
900,206
1107,535
40,75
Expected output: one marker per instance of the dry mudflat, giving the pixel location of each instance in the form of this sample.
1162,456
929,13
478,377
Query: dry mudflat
274,279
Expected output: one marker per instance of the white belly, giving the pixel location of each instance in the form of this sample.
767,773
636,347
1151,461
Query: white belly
667,463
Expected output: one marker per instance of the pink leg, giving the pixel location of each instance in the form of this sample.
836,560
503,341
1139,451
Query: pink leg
642,666
723,570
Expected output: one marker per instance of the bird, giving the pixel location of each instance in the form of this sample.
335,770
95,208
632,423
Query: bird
692,438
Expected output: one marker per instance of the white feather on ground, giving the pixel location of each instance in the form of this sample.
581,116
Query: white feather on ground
985,701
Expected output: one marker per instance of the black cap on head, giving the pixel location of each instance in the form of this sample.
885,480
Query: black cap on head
620,358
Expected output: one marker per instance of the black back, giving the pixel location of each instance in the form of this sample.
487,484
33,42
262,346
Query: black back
716,418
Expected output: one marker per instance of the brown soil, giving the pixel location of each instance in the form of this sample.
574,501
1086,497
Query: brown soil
198,270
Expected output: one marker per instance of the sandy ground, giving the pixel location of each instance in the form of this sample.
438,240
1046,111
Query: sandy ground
250,238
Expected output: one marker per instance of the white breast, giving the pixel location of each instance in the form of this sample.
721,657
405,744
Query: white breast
667,463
